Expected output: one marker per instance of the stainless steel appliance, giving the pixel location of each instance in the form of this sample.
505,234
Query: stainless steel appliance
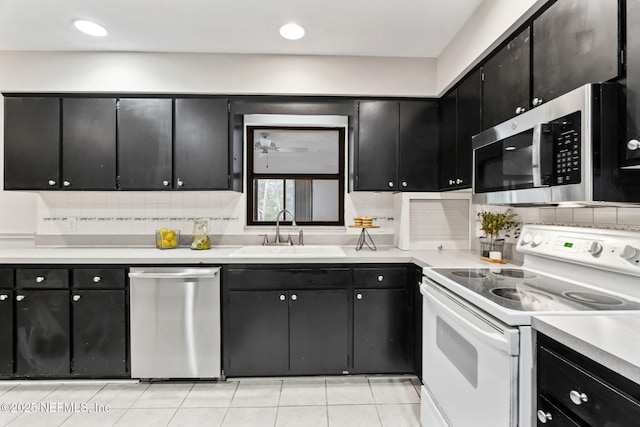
477,338
565,151
175,322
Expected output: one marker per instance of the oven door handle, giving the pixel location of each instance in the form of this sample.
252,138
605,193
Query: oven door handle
499,342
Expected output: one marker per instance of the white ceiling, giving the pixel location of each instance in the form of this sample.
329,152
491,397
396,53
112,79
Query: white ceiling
400,28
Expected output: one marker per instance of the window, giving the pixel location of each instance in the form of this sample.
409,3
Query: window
300,169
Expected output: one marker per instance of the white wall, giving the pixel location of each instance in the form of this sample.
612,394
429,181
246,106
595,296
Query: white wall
490,24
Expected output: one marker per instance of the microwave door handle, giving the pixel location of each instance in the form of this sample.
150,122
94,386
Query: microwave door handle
536,151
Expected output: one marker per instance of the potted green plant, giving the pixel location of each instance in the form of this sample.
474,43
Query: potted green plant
493,224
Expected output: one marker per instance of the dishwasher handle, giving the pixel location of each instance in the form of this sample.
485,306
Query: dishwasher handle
175,274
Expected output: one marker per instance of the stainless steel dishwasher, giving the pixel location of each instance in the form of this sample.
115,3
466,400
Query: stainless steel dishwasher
175,322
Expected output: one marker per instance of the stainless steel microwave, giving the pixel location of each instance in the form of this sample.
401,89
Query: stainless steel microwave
564,152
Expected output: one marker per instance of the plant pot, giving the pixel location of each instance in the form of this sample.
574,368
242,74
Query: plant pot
489,244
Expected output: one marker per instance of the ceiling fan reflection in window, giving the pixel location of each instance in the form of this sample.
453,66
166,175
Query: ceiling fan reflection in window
265,145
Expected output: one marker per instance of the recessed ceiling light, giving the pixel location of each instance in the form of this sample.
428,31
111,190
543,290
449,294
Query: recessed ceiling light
90,28
292,31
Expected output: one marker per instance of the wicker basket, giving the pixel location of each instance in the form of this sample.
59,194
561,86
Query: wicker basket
487,244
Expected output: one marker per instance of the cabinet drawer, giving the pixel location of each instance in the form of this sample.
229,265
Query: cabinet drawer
6,279
377,277
98,278
48,278
548,414
287,278
598,402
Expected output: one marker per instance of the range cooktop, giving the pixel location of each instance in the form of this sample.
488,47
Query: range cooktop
523,290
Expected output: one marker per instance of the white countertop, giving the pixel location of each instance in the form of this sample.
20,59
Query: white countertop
220,255
611,340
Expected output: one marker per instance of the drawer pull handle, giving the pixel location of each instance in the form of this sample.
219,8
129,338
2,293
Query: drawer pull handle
39,279
359,296
380,278
96,279
577,397
19,297
294,297
282,297
543,417
3,297
76,297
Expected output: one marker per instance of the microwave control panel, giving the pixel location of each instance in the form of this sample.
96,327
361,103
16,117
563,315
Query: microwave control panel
567,150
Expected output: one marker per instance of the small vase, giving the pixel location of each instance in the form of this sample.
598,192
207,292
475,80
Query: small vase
491,244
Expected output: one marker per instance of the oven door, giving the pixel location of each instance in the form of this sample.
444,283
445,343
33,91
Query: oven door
470,364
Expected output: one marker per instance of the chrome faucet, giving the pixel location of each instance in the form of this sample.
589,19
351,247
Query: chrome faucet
293,223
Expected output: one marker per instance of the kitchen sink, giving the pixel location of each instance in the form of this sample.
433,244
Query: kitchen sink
319,251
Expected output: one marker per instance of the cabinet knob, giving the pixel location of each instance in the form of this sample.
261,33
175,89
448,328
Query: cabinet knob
380,278
633,145
543,417
458,181
283,297
19,297
536,101
180,182
165,183
404,183
577,397
66,183
452,182
52,182
97,279
520,110
390,184
294,297
358,296
3,297
76,297
40,279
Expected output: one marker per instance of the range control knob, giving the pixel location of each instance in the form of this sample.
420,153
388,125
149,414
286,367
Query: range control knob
526,239
537,239
629,253
595,249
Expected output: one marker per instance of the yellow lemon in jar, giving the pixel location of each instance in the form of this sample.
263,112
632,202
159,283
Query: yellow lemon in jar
159,243
174,243
170,235
166,243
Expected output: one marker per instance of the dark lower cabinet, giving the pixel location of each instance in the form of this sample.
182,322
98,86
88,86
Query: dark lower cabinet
6,333
318,326
257,342
632,86
381,331
99,333
42,333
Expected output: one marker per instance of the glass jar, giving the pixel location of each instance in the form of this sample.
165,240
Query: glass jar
200,235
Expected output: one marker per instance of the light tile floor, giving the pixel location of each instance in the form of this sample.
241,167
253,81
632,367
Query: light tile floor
378,401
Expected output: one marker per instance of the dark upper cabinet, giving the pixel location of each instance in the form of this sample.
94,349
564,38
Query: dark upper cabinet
460,120
89,143
397,146
201,145
42,333
575,42
31,143
418,146
145,128
506,77
632,91
99,333
378,123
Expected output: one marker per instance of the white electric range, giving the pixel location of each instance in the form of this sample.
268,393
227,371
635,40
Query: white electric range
478,345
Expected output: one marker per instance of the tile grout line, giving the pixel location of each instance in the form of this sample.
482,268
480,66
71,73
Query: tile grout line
180,405
275,421
233,395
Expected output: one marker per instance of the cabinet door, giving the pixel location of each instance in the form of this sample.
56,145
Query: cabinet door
417,321
144,144
31,143
89,143
6,334
99,333
201,144
318,331
506,81
574,42
448,135
632,151
377,146
418,146
469,123
42,333
381,331
257,334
